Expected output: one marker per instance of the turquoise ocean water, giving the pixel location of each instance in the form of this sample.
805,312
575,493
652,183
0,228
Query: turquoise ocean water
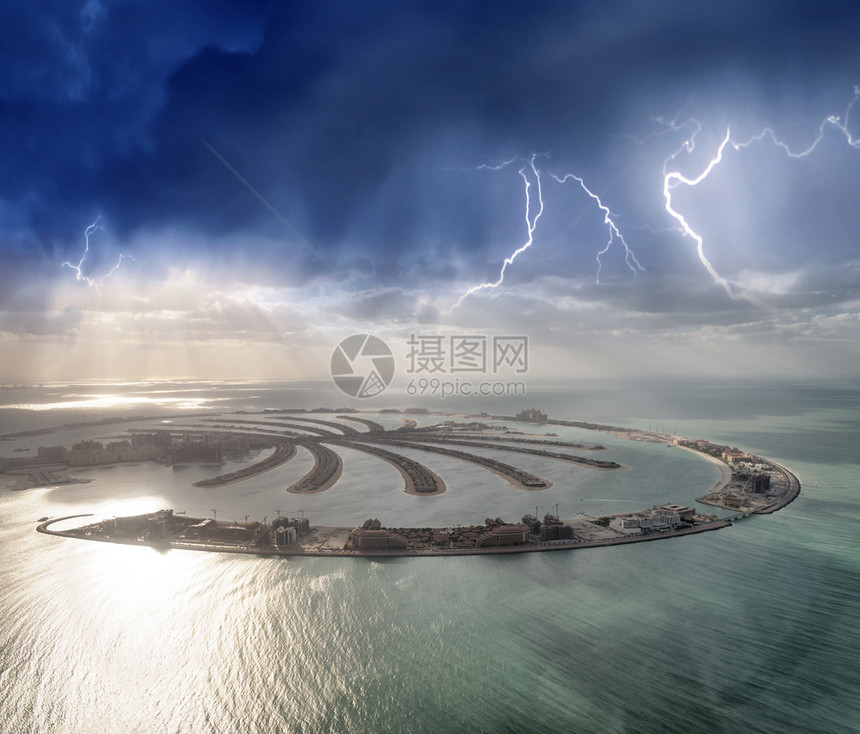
748,629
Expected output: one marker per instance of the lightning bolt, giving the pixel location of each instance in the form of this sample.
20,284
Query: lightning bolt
614,233
673,179
79,275
87,232
839,123
531,224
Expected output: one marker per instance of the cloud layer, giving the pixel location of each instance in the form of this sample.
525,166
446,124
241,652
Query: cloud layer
375,133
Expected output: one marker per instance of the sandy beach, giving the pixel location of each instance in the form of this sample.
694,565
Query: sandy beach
725,470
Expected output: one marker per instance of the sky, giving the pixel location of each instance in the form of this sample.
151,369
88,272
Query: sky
228,189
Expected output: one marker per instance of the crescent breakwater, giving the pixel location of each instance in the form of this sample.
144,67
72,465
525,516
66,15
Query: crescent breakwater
333,541
748,484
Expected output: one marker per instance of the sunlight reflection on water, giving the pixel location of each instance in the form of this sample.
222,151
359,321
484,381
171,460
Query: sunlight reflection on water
94,402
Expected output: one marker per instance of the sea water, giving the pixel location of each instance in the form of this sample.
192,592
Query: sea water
751,628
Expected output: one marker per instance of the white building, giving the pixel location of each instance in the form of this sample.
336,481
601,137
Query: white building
657,519
285,536
628,525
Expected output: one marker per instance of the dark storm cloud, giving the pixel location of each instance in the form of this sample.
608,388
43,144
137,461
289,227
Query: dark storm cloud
80,87
345,116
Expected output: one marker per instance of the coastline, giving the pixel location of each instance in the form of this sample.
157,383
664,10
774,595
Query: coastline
324,550
338,541
725,471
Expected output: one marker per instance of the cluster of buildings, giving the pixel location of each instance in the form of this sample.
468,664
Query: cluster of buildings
746,490
165,525
288,531
161,445
754,482
503,535
372,536
751,484
531,414
93,453
729,454
194,452
494,533
659,519
550,529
